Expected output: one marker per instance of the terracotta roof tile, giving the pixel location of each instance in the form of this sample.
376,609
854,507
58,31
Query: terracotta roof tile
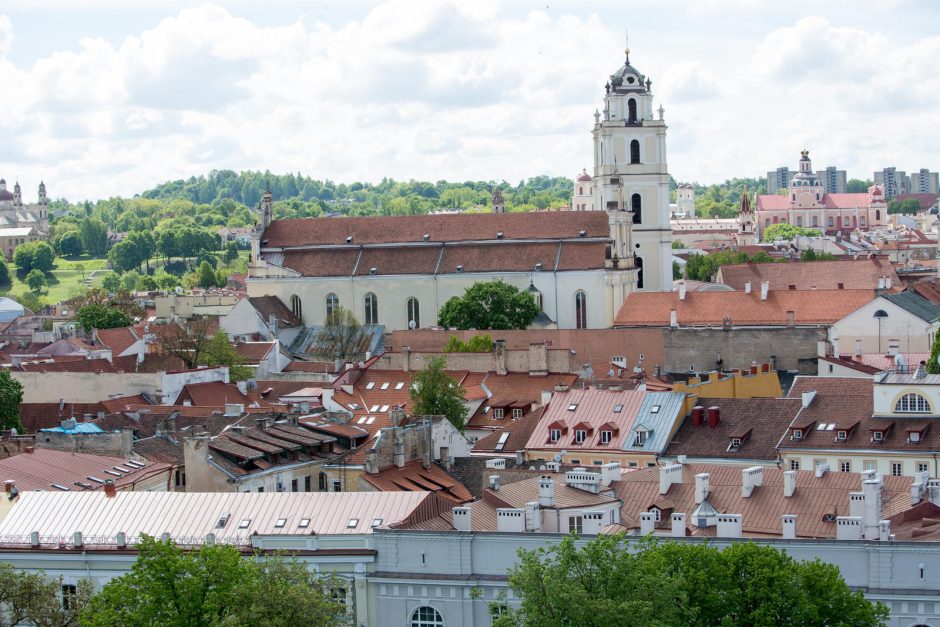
118,340
861,274
517,434
272,305
413,477
217,394
254,352
83,365
510,388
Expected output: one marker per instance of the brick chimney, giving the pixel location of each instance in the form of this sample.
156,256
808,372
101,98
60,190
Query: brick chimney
714,416
110,490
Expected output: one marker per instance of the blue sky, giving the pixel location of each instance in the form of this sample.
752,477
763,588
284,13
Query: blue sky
114,97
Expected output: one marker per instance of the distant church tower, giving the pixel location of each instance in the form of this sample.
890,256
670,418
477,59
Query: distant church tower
745,235
630,176
583,197
499,205
17,195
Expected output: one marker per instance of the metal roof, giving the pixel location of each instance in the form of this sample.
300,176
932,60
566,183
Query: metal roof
80,427
915,304
659,414
189,516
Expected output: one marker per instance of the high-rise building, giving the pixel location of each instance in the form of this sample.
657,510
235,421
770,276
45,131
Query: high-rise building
631,182
894,181
832,179
925,182
778,179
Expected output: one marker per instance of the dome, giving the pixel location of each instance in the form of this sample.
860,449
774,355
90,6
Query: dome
585,177
5,195
627,78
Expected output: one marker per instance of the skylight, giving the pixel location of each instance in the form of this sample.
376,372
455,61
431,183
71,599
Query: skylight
376,522
370,385
113,473
370,420
280,523
244,523
304,523
502,441
354,406
399,385
361,420
383,408
374,408
830,426
654,409
572,406
353,523
384,386
618,408
95,479
59,486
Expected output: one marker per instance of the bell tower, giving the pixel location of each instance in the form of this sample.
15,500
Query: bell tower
630,175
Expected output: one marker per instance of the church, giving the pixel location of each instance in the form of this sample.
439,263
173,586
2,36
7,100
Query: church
15,214
398,271
807,204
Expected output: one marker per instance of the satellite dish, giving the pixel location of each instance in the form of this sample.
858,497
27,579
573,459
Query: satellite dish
411,324
179,290
562,453
557,458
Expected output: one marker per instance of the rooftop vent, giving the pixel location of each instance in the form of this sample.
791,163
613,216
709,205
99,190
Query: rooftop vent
373,270
538,267
349,239
426,237
459,268
499,235
582,233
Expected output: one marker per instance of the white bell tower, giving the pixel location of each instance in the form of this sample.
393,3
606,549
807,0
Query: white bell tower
630,175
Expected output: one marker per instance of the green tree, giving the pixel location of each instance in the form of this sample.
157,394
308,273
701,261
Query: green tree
908,206
231,252
857,186
34,256
342,337
97,316
146,283
206,275
480,343
435,393
933,364
4,271
111,281
36,280
784,231
69,244
94,236
489,305
220,352
186,340
31,301
33,599
11,395
676,271
677,244
212,586
608,582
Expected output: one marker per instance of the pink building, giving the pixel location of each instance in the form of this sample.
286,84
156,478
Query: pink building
806,204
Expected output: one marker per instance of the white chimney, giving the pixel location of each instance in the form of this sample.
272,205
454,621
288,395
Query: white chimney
856,504
678,525
682,290
533,517
788,522
673,319
701,487
848,528
461,517
821,469
884,528
610,472
751,478
546,397
121,540
789,483
858,348
497,463
764,288
887,283
881,283
546,492
592,523
821,349
835,347
494,483
77,541
510,519
647,523
729,526
669,475
747,287
872,514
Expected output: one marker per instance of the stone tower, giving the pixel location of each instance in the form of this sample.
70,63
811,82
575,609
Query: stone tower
499,205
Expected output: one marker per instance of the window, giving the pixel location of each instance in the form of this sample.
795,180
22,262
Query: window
414,313
606,437
897,469
517,413
830,221
636,206
794,464
877,436
638,262
322,482
337,485
580,435
426,617
332,303
497,413
634,151
657,514
580,310
639,438
922,467
69,592
841,435
280,523
293,485
353,523
799,221
304,523
296,308
735,442
372,309
554,435
618,408
845,465
797,434
575,524
631,111
869,464
912,403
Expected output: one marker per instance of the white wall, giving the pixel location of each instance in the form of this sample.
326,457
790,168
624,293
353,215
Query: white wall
913,334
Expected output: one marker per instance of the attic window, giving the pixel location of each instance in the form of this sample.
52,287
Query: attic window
376,522
582,233
370,385
223,520
373,270
349,239
572,406
842,434
606,437
280,523
353,523
384,386
499,235
735,443
554,435
580,435
618,408
913,436
797,434
244,523
877,436
399,385
639,438
538,267
426,237
304,523
459,268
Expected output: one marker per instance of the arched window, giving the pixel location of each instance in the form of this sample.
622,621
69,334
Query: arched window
580,191
631,111
877,215
637,209
414,313
912,404
322,482
296,308
332,304
580,310
634,151
638,261
426,616
372,309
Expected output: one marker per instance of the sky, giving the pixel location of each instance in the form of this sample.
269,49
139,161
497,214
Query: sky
107,97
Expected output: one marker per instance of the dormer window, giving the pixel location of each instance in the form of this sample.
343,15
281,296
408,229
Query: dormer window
878,436
517,413
639,438
497,413
913,436
912,403
735,443
580,435
606,437
657,514
797,434
842,435
554,435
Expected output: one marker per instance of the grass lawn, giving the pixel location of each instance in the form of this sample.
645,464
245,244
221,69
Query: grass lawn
65,280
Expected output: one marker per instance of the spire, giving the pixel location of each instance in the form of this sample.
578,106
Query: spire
626,42
745,201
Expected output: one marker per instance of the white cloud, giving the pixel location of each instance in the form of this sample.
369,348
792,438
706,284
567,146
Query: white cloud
449,89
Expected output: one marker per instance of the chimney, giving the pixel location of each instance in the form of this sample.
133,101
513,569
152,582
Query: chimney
372,463
881,283
751,478
808,398
714,416
533,517
121,540
398,450
496,463
858,348
538,359
210,539
445,457
871,516
673,319
788,522
747,287
494,483
34,539
791,319
242,387
592,522
461,516
77,540
8,485
789,483
701,487
546,397
729,526
397,415
698,416
610,472
848,528
754,368
835,347
821,469
647,523
821,348
764,288
887,283
546,492
678,525
510,519
406,358
669,475
110,490
682,290
499,350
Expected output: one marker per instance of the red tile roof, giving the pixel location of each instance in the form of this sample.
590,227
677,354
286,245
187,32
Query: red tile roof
829,201
274,306
254,352
517,434
83,365
413,477
42,468
515,387
118,340
217,394
813,307
861,274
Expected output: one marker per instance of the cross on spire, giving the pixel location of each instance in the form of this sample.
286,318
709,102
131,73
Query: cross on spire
626,41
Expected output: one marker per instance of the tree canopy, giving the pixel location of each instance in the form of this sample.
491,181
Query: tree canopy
908,206
489,305
435,393
480,343
34,256
609,582
97,316
220,352
33,599
36,280
784,231
342,337
11,395
213,586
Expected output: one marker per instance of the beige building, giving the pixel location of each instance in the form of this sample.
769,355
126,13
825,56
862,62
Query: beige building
12,237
